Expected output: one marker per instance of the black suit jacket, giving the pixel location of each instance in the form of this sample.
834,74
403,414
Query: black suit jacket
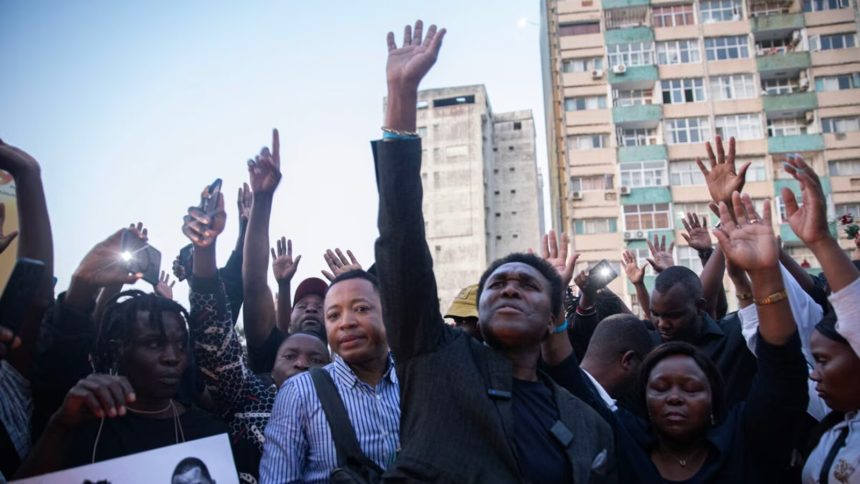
456,408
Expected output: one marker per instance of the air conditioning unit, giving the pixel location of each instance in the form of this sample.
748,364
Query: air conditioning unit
619,69
635,235
597,74
796,37
803,85
809,117
576,196
624,190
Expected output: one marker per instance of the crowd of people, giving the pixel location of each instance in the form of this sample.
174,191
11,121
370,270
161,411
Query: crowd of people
541,375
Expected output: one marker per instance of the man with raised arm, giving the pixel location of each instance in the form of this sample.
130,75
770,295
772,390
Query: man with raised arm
471,412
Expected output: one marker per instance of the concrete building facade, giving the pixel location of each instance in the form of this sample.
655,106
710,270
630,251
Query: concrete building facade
633,89
481,189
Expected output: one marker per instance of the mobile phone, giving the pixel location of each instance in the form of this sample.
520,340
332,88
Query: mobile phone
185,259
600,276
209,201
140,257
19,291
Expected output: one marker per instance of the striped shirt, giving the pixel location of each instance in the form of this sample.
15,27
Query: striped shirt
16,408
299,445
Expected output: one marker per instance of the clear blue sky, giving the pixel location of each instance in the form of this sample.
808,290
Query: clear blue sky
132,107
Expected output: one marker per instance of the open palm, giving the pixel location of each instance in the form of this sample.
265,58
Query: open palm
411,61
749,243
722,179
808,221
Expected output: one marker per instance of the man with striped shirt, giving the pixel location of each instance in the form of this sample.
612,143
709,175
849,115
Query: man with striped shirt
299,445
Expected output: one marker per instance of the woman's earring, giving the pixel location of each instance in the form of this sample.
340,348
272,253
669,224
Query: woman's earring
713,421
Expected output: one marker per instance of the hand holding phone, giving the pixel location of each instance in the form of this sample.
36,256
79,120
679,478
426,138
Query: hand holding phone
204,223
140,257
599,277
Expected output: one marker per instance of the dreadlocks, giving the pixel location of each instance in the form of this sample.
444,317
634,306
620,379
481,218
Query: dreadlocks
119,316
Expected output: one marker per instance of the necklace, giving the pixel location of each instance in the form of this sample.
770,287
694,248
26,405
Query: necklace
151,412
682,461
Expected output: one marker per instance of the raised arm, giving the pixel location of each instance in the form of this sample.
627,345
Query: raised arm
721,177
35,241
403,263
636,276
809,222
284,267
259,314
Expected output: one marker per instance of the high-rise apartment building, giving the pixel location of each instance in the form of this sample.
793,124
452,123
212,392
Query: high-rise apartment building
633,89
481,189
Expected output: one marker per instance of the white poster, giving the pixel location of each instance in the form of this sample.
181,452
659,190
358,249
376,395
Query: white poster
202,461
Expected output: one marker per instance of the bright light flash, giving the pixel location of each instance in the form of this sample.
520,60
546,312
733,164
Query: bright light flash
605,272
126,256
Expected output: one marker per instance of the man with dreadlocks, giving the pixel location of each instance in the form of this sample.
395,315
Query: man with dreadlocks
243,398
128,404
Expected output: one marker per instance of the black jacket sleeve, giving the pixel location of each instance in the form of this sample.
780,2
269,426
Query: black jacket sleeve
231,276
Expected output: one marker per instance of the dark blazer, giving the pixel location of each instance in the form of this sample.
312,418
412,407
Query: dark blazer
455,393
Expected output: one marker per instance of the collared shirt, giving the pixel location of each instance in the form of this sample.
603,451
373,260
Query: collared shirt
607,399
846,465
299,445
847,308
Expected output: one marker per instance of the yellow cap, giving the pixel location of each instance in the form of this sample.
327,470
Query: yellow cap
465,305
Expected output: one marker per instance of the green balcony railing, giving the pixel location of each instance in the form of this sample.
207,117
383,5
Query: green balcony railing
796,143
642,195
783,103
629,35
641,114
790,61
610,4
642,153
767,23
635,75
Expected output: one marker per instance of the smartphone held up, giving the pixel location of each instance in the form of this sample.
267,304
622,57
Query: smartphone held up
140,257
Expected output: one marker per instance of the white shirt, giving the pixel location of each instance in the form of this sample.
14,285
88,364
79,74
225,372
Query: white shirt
607,399
847,308
807,313
846,465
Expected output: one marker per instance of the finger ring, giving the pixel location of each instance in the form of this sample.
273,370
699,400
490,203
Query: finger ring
756,221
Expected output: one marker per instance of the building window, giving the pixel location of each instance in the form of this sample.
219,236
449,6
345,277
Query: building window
775,87
741,126
786,127
819,5
422,131
756,172
722,48
780,206
637,137
582,64
633,54
845,168
720,10
686,173
840,125
774,46
672,16
588,141
699,208
643,174
768,7
579,29
647,216
678,52
591,183
636,97
518,125
736,86
678,91
850,208
838,83
585,103
834,41
689,258
687,130
588,226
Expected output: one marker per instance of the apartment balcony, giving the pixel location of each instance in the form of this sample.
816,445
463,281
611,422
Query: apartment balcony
634,77
641,153
796,143
629,35
639,116
785,65
612,4
647,195
790,238
784,104
776,26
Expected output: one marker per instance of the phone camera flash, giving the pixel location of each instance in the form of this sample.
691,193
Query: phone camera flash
126,256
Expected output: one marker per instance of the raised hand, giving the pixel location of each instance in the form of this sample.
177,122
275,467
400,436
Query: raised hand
809,222
201,228
339,264
722,179
283,265
555,252
5,239
634,273
15,160
661,258
409,63
103,265
697,235
164,288
747,240
265,169
244,201
96,396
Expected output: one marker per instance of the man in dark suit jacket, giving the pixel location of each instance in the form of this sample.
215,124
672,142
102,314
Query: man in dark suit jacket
471,412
